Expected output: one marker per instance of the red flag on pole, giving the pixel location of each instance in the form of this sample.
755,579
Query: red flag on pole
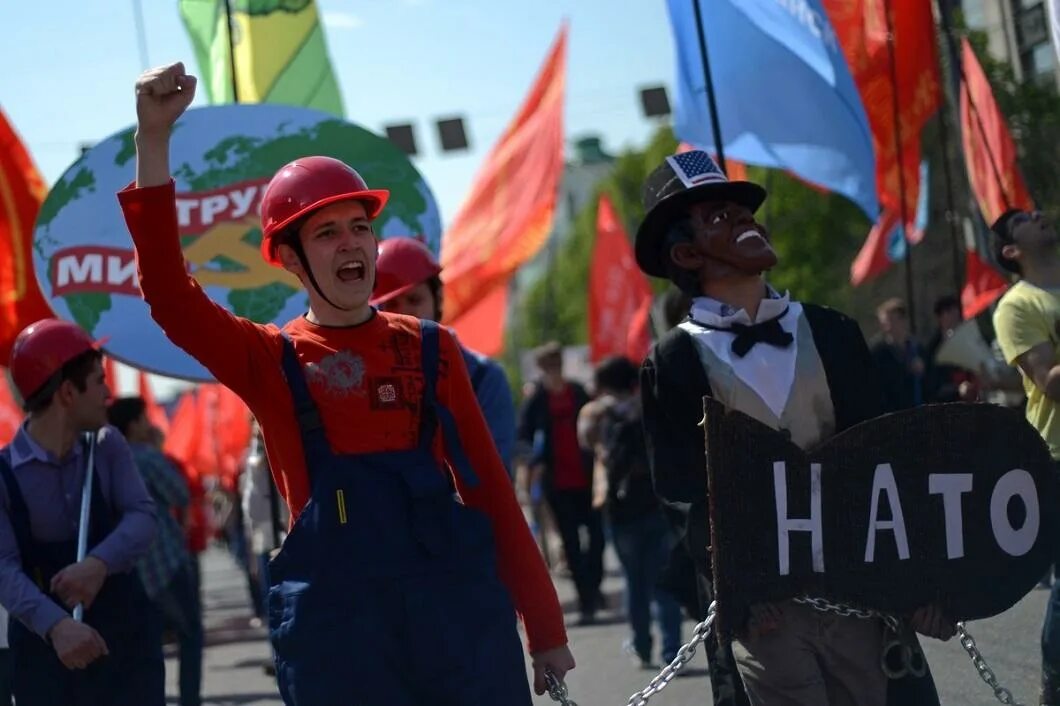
22,191
155,414
989,151
110,374
10,412
982,285
508,215
619,294
861,27
185,428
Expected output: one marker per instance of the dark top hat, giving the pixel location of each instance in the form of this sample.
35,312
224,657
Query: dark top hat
683,179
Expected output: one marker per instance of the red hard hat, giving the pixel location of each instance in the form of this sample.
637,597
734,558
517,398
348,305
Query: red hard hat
303,186
42,349
402,264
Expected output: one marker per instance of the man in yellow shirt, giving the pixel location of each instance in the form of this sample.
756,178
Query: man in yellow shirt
1027,322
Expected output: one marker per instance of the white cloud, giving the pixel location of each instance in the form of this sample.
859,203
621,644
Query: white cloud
342,20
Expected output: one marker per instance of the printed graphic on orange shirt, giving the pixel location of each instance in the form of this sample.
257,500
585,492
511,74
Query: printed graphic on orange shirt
341,373
223,158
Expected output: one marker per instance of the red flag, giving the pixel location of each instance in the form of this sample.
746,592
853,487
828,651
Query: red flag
989,152
478,329
231,429
110,374
155,414
10,412
507,217
982,285
185,428
22,191
619,294
861,26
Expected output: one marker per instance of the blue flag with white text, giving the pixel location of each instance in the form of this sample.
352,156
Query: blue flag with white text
784,93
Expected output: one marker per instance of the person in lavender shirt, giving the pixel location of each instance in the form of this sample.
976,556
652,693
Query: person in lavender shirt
113,657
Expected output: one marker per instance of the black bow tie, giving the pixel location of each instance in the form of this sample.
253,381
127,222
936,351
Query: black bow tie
747,336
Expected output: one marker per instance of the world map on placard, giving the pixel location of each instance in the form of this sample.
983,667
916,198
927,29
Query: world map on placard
222,159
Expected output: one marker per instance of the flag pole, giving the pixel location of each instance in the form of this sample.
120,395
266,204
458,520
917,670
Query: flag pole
719,148
904,206
141,36
956,237
232,50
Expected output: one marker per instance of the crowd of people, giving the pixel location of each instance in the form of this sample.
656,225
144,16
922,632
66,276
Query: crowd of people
370,505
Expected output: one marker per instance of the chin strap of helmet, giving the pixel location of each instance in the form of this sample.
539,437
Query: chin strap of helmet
296,244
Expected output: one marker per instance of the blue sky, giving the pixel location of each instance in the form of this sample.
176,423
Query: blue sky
69,67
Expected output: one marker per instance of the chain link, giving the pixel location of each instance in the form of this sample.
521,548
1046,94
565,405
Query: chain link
985,672
847,611
684,656
558,690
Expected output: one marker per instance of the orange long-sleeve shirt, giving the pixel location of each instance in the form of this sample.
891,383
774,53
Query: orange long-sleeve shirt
366,380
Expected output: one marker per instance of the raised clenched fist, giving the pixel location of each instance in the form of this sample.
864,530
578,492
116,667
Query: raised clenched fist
162,95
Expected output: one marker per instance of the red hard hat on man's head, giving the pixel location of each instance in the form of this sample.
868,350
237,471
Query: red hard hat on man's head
402,264
42,349
303,186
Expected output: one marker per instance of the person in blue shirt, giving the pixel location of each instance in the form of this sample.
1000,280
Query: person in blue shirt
113,657
408,281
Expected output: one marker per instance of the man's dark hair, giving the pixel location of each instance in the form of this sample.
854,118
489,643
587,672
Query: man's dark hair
615,374
549,355
76,370
435,285
1002,230
124,411
945,303
680,231
894,305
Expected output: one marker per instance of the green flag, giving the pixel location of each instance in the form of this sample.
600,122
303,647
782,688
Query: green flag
280,52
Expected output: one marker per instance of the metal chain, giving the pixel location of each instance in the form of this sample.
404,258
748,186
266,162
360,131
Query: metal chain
558,690
847,611
985,672
684,656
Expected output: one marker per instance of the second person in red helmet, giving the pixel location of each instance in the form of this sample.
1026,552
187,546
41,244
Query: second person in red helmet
369,422
408,281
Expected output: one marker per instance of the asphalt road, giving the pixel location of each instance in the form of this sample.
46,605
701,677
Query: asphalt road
605,677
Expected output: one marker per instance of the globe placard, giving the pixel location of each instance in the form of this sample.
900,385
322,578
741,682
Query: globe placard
222,159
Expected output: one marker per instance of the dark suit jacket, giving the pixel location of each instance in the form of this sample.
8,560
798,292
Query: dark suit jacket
534,417
673,384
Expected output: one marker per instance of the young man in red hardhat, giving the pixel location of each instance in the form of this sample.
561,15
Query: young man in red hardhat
408,281
114,656
368,420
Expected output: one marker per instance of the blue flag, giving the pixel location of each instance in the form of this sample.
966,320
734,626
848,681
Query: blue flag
784,94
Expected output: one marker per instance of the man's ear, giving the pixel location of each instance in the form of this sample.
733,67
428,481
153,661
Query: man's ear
1011,251
289,259
686,256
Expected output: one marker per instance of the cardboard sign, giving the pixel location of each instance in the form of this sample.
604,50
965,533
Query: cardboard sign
948,504
223,157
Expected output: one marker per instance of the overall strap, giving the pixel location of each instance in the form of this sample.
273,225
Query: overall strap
102,519
314,441
19,512
434,413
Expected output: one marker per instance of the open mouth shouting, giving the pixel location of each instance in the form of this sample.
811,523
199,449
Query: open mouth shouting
354,270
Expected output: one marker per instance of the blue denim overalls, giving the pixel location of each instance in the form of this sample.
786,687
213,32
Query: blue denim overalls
133,674
386,590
